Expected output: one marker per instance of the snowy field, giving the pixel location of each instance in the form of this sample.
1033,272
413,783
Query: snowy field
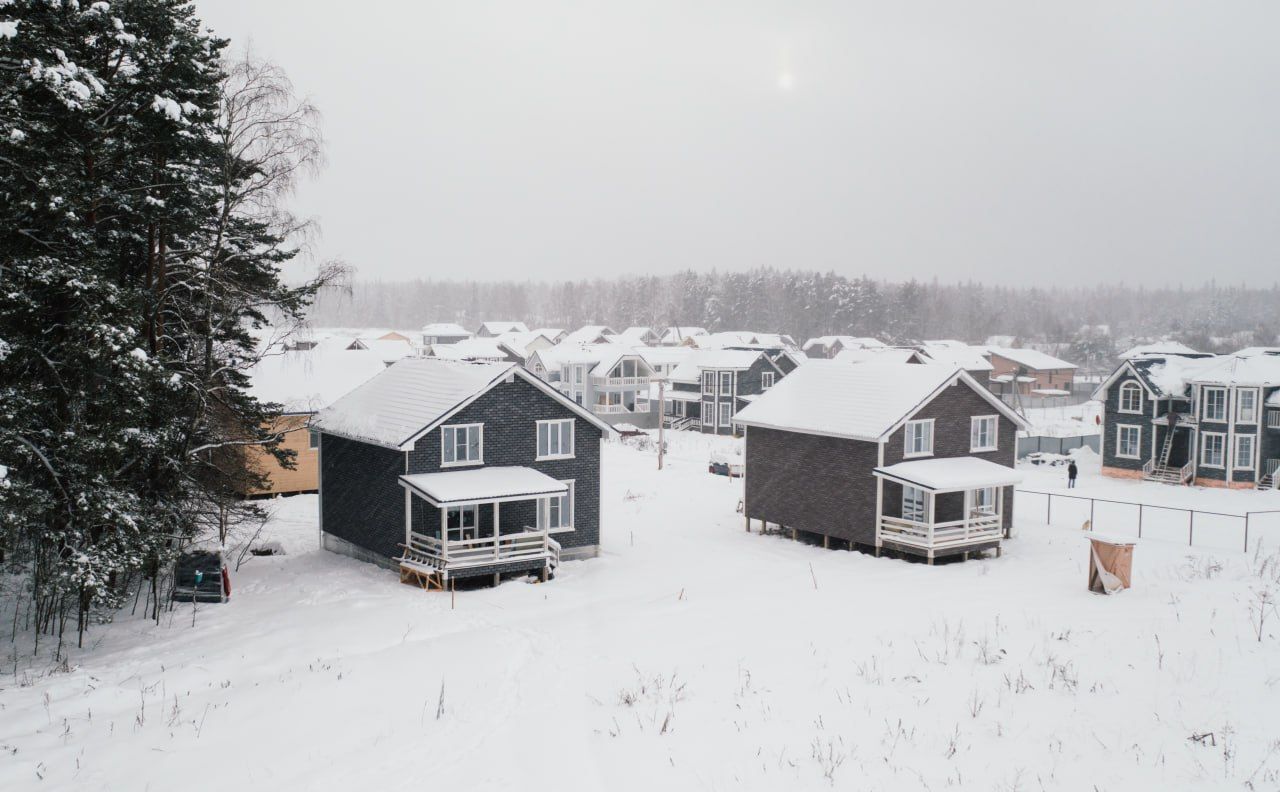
690,655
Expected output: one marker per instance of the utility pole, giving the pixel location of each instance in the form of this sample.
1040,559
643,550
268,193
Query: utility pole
662,419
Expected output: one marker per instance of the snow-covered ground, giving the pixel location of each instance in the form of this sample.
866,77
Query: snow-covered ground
690,655
1065,420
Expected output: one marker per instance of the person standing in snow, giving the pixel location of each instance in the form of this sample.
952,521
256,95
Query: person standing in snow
1072,471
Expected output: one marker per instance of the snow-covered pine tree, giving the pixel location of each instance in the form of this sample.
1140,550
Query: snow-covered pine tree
139,243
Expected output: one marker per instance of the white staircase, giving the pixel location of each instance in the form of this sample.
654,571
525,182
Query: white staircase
1271,476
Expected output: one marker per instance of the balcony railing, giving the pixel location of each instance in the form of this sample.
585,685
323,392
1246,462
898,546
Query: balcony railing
620,409
605,381
978,529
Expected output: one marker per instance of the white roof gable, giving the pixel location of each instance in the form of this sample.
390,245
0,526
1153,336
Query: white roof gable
827,397
444,329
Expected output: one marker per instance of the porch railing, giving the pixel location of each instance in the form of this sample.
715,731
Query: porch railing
1187,472
954,533
1148,467
527,545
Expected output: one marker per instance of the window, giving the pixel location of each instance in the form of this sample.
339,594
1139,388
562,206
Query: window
725,413
1212,449
462,444
555,439
915,504
982,432
708,416
766,380
313,439
984,500
556,513
708,383
1215,404
461,521
1131,397
918,438
726,383
1273,419
578,373
1129,442
1247,406
1244,452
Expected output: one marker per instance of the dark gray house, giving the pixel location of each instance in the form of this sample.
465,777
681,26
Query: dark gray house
916,458
1187,417
450,469
709,387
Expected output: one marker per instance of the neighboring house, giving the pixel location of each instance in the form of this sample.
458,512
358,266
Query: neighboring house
681,336
1029,371
830,346
394,336
611,380
495,329
920,462
443,333
743,339
1157,348
709,387
389,350
881,355
959,355
525,344
1224,411
452,470
480,350
639,336
554,334
590,334
302,382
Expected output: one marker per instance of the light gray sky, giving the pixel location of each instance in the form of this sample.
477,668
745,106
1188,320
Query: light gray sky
1014,142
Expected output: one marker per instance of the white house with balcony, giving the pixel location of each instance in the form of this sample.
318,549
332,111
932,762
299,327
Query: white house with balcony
611,380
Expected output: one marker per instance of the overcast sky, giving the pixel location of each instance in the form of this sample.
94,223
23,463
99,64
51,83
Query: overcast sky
1015,142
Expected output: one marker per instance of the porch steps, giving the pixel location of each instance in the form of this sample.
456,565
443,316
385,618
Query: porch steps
1165,475
1268,481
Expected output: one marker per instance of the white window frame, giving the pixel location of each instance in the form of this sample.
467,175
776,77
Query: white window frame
766,380
920,515
993,443
907,436
1222,449
1131,386
544,511
1205,403
708,420
983,501
1121,430
726,383
724,414
472,509
558,435
1252,417
1248,462
708,383
464,462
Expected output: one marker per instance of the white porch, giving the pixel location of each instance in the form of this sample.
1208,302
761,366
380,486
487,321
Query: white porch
942,506
453,538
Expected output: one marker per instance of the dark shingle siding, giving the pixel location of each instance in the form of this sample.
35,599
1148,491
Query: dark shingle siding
1113,418
361,498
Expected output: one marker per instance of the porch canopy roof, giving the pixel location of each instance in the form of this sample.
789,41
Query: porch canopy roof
953,474
483,485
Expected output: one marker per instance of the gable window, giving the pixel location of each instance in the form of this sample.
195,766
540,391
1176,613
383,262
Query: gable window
313,439
725,413
918,438
708,383
726,383
555,514
1213,448
915,504
555,439
1244,452
1247,406
766,380
1129,442
1131,397
982,432
461,444
461,521
1215,404
984,500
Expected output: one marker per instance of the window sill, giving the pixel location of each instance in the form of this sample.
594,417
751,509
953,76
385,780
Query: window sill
569,529
919,455
468,463
1131,412
1213,467
984,450
1126,456
553,457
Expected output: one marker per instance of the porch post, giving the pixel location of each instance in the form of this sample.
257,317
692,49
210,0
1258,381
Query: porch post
968,510
408,517
1000,511
444,535
497,529
933,517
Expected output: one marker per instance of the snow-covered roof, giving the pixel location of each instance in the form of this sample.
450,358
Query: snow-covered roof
553,333
958,354
388,350
847,342
876,355
1159,349
690,369
483,484
304,381
444,329
951,474
473,349
414,394
500,327
866,402
1257,368
1274,399
1166,376
588,334
1031,358
661,356
677,335
636,335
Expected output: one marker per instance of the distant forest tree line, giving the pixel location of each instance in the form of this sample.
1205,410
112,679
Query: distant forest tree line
806,304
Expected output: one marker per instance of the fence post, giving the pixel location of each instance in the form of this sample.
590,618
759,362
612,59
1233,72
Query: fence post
1191,529
1246,531
1139,520
1091,503
1048,508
